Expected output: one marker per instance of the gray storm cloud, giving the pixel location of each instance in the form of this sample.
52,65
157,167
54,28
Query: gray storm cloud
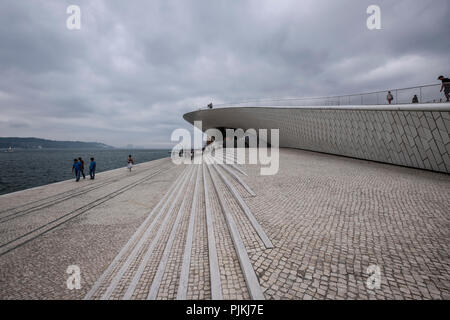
136,67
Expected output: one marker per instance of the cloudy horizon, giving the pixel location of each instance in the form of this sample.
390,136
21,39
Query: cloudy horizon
134,68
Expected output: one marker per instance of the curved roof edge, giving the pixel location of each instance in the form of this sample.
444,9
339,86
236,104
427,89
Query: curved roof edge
426,107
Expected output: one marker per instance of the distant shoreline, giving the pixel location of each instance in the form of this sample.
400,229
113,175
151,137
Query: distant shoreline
38,143
37,149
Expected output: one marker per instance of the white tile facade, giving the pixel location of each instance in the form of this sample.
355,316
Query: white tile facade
413,138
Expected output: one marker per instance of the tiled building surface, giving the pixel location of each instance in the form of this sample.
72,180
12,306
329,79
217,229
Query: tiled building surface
416,136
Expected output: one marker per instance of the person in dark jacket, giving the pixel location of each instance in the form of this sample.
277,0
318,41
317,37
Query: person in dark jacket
92,166
76,168
445,86
415,99
389,97
82,167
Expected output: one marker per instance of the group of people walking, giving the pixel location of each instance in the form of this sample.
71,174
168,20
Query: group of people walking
78,167
444,87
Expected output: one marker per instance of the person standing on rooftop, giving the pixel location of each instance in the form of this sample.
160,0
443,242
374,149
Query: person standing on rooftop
76,167
445,86
389,97
130,162
82,167
92,166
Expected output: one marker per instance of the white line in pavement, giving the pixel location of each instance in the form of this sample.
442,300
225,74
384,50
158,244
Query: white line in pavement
246,187
128,245
249,190
144,261
259,230
216,286
251,279
156,283
115,281
235,167
184,275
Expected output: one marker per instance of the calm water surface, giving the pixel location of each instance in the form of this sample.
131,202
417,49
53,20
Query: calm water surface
23,169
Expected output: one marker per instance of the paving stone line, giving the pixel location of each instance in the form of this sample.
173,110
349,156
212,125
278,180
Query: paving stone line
235,176
216,286
118,276
156,283
235,167
40,220
134,238
199,283
150,269
144,282
184,276
251,279
231,275
57,198
255,224
329,219
144,262
169,283
43,229
233,161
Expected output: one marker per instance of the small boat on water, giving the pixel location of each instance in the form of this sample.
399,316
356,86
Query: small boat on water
10,149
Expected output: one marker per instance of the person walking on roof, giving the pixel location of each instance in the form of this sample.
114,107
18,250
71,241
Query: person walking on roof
92,166
130,162
82,167
76,168
445,86
389,97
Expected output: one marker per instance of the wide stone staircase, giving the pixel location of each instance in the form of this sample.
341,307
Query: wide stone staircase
196,243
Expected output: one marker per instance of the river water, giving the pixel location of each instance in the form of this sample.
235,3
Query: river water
23,169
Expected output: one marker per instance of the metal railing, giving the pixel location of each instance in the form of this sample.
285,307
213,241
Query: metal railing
425,94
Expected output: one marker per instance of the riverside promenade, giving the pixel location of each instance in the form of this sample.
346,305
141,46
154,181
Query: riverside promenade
214,231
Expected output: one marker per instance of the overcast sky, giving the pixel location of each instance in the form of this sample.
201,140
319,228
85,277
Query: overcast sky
136,67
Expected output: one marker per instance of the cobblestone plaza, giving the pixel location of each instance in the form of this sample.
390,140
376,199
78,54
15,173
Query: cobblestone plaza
225,232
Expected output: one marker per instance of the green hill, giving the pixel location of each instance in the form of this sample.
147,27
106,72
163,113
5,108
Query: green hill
36,143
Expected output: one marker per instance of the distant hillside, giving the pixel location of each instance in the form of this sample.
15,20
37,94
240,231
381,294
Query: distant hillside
36,143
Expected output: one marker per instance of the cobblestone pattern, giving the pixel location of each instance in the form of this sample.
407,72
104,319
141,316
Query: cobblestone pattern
417,139
145,282
48,193
244,193
124,281
171,278
37,270
330,218
16,223
249,236
232,278
199,284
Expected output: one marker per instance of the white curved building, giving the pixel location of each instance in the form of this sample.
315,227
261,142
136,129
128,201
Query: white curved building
413,135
